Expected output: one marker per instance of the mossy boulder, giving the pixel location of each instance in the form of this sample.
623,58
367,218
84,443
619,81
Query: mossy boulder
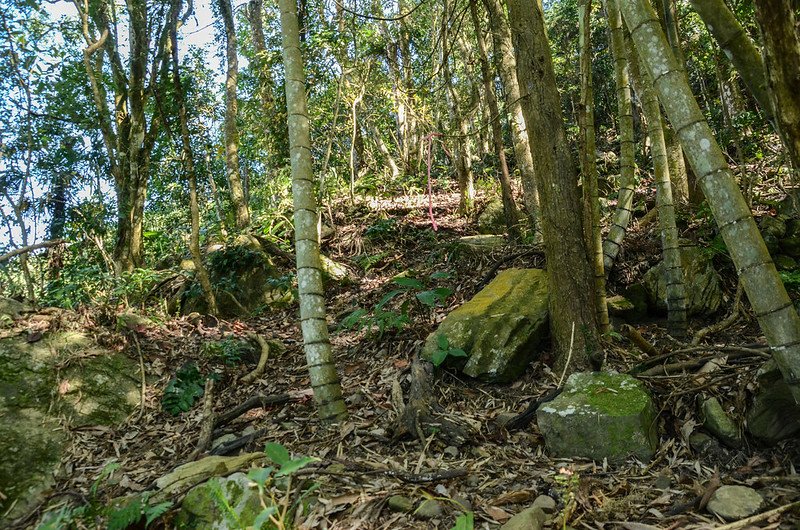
492,219
774,414
64,376
719,423
600,415
229,502
702,282
244,280
500,328
479,244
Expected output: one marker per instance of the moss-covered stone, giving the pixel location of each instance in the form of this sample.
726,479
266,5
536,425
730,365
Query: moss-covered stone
479,244
492,219
774,415
499,329
785,263
773,226
702,282
230,502
718,423
600,415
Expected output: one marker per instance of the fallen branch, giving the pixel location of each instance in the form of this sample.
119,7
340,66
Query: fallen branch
732,351
252,403
521,421
204,440
262,361
725,323
743,523
233,445
636,338
24,250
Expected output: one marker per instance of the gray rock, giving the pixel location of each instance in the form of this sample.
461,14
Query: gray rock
718,423
600,415
620,306
203,508
13,308
223,440
500,329
100,388
399,503
790,205
636,294
463,503
532,518
429,509
480,244
546,503
492,219
735,502
335,271
774,415
773,226
790,246
704,295
451,451
784,263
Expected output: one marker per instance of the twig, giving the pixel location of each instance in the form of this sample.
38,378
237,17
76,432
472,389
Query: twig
733,353
569,355
712,486
144,379
723,324
262,361
742,523
204,440
522,420
254,402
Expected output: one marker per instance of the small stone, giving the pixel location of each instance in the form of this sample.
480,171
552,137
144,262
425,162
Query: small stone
222,440
719,423
378,433
429,509
735,502
532,518
355,399
504,417
663,482
546,503
399,503
463,503
451,451
248,430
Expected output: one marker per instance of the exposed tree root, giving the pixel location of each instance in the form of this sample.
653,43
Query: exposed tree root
422,415
253,402
204,440
262,361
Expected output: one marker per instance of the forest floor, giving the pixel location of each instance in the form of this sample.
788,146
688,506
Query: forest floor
498,473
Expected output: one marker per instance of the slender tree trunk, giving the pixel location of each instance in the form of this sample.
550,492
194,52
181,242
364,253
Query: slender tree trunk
387,154
665,206
317,346
591,198
622,215
738,47
778,22
507,67
188,162
776,315
242,212
572,313
509,206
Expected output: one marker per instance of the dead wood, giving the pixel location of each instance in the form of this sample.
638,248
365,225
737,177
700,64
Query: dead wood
273,249
233,445
525,418
636,338
262,361
23,250
743,523
726,322
422,414
253,402
204,440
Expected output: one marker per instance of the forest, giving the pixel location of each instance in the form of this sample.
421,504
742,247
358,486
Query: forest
383,264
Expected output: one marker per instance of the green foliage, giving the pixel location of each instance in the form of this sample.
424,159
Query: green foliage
444,351
382,318
381,230
791,279
465,521
228,351
118,516
183,390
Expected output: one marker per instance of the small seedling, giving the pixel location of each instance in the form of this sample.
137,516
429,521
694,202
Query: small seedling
444,351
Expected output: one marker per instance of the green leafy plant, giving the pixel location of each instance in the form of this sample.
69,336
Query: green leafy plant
229,351
183,390
465,521
121,517
381,230
444,351
791,279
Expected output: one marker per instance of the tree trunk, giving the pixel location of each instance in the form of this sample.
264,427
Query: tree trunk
507,67
572,314
627,148
509,206
591,198
665,206
778,22
317,346
242,212
742,52
188,162
776,315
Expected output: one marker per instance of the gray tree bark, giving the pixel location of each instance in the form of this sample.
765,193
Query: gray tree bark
316,342
572,312
775,312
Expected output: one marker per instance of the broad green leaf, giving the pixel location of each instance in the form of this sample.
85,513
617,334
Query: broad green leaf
456,352
441,275
442,342
259,475
263,517
294,465
388,297
428,298
438,357
277,453
411,283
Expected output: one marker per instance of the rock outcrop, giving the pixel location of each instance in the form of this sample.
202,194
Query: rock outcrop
702,282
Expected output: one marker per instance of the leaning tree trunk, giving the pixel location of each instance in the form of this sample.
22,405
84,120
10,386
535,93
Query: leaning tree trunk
622,214
776,315
665,206
231,110
740,49
591,198
507,67
317,346
509,206
572,315
778,22
188,162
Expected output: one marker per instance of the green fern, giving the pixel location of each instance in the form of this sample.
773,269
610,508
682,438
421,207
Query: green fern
183,390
